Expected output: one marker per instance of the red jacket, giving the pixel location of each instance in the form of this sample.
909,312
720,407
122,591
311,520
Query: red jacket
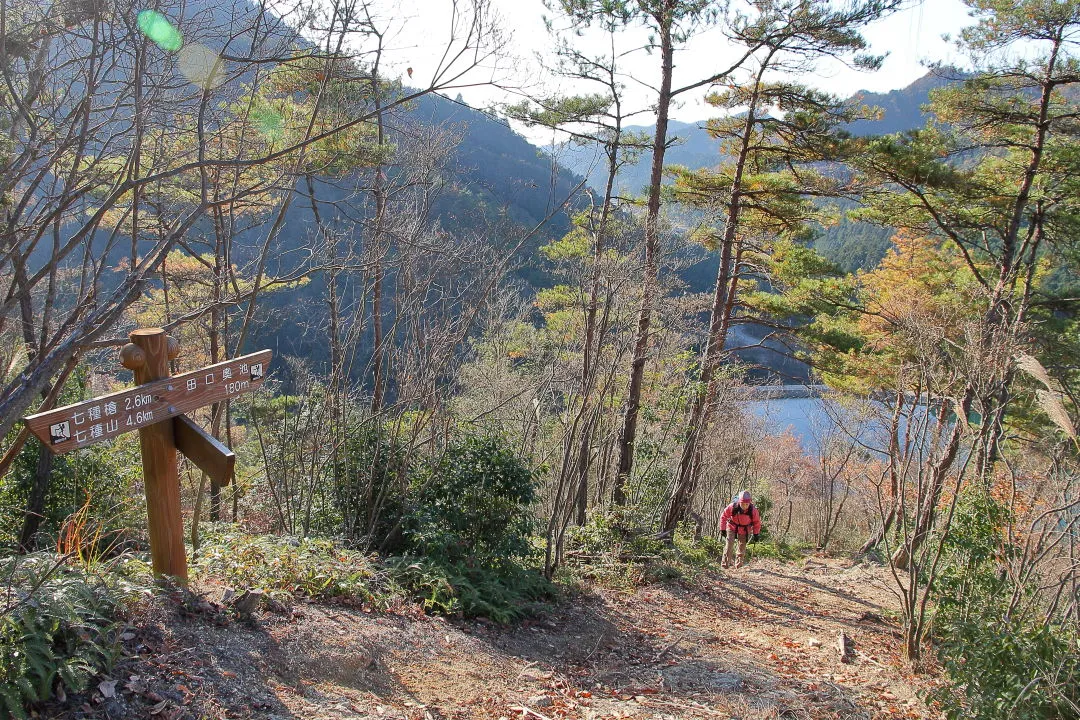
739,521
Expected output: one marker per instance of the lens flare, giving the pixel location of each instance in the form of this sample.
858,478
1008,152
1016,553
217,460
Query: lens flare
201,66
269,123
157,27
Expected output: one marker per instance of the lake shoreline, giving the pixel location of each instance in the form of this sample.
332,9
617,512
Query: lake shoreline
783,392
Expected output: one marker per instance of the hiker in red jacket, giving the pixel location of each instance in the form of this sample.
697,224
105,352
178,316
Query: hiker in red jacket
740,521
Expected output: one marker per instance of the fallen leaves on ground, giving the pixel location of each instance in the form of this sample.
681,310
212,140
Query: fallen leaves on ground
755,643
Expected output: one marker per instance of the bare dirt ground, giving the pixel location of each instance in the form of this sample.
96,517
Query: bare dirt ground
743,645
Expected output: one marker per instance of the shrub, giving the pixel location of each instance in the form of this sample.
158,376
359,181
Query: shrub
467,540
775,549
103,478
1008,671
696,552
619,531
968,580
615,548
370,484
1001,665
472,505
660,572
502,596
58,628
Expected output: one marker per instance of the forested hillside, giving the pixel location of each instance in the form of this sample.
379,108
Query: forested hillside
490,183
851,245
324,395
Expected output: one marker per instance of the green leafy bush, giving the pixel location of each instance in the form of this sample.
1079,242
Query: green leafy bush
103,478
619,532
467,547
1001,665
968,581
472,505
696,552
58,628
502,596
660,572
776,549
1009,671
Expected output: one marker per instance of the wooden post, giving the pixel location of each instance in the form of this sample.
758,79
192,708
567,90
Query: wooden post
155,407
148,356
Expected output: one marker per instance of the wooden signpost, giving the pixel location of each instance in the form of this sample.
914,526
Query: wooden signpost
155,407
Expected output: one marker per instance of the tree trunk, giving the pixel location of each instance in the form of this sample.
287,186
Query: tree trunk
719,321
589,357
378,353
35,503
215,355
650,289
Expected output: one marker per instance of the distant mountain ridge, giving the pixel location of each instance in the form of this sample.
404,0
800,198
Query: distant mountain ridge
495,173
901,109
496,186
692,146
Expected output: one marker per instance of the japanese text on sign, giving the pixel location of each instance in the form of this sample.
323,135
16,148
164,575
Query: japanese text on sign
74,426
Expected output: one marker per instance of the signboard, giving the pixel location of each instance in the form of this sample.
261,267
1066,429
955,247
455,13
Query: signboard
156,407
82,424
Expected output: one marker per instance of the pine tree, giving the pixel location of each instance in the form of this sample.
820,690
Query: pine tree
763,190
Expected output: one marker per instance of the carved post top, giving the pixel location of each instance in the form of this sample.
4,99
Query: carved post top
133,356
157,349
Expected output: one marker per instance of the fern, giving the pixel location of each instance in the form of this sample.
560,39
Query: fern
59,628
13,703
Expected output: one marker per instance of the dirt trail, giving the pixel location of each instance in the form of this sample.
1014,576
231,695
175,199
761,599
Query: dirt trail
738,645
